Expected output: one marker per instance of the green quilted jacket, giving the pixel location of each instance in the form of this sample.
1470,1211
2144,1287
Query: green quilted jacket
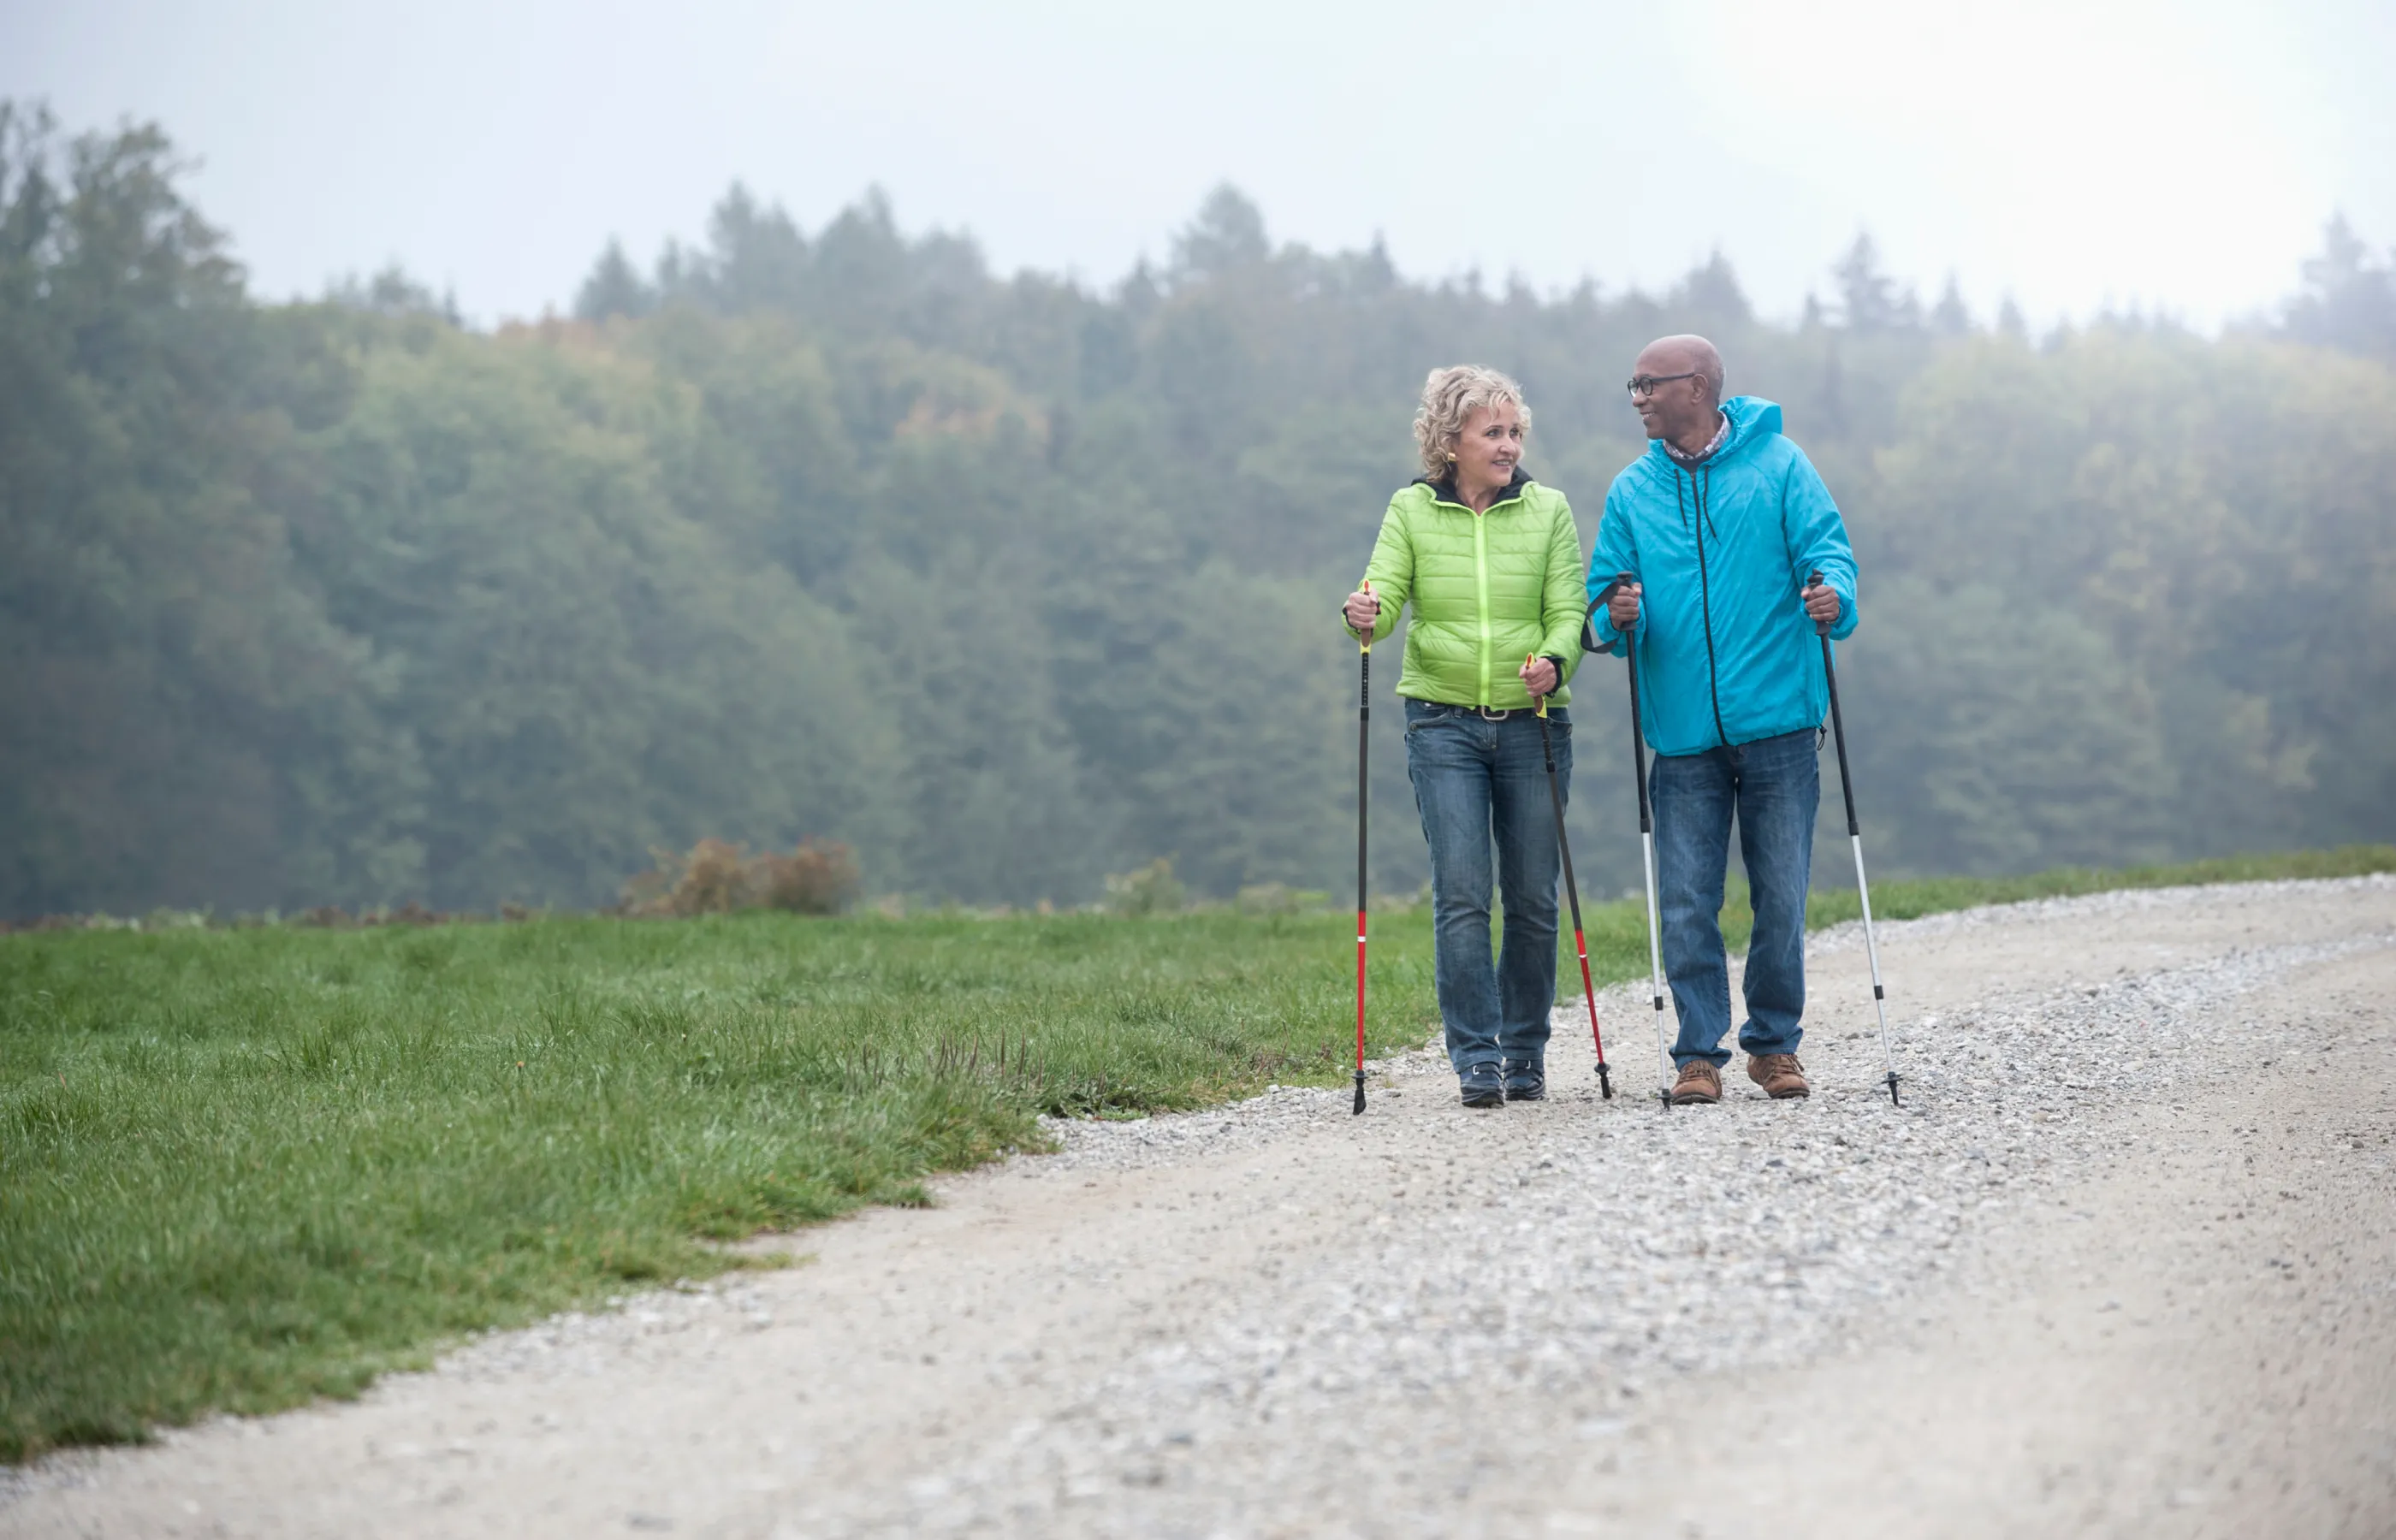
1488,591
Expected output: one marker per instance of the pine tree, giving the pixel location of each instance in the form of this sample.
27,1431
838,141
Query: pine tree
614,288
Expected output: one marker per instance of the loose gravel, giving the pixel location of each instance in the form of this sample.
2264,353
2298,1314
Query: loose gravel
1275,1317
1594,1259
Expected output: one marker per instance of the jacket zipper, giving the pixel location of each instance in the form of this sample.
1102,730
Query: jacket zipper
1705,611
1480,584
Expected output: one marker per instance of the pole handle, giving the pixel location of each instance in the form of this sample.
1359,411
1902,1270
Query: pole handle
1814,580
1365,637
1589,641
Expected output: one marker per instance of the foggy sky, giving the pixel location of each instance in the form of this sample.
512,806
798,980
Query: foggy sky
2173,156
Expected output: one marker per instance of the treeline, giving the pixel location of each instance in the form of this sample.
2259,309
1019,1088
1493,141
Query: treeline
1011,584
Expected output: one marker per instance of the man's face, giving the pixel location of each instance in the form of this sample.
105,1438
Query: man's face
1676,407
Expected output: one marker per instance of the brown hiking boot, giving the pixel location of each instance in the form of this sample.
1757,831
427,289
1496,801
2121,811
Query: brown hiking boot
1699,1083
1780,1075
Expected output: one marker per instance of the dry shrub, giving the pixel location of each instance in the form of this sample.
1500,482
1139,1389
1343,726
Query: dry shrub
711,879
718,877
818,878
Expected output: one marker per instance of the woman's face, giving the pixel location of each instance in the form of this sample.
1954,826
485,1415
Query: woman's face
1490,446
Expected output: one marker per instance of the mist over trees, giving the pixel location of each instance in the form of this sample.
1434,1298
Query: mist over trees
1012,583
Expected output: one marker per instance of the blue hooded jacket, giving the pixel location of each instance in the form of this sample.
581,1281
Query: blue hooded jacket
1726,655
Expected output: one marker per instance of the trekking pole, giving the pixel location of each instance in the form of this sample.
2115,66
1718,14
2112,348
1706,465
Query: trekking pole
1647,834
1856,838
1363,789
1572,891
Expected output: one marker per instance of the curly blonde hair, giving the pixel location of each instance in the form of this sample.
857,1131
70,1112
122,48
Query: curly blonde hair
1450,397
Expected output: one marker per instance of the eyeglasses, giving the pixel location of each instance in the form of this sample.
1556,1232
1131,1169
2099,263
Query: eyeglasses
1645,385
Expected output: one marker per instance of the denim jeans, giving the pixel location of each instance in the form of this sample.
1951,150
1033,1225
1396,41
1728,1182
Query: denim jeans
1773,786
1475,779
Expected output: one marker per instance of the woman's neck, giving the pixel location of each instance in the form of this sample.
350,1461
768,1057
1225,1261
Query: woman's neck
1478,498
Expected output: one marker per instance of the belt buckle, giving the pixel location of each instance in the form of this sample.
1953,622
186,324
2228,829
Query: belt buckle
1500,715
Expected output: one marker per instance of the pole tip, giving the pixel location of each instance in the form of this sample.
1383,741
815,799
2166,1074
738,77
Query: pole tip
1360,1091
1892,1088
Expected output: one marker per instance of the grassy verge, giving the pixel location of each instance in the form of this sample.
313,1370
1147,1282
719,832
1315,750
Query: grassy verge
1939,894
240,1169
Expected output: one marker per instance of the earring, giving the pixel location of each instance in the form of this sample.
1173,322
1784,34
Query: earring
1451,456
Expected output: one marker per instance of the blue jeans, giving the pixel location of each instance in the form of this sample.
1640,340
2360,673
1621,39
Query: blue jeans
1475,779
1773,785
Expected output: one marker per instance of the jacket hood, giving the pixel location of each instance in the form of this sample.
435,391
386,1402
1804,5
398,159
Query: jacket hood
1445,489
1752,420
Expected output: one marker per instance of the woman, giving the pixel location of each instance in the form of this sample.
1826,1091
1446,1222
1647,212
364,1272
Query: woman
1492,563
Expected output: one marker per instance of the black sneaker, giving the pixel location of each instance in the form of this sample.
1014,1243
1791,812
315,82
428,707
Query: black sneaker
1481,1087
1526,1082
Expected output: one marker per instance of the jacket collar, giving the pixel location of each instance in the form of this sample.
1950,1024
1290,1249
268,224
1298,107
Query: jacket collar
1750,420
1713,445
1445,488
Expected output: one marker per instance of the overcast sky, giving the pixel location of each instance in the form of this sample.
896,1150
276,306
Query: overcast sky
2073,154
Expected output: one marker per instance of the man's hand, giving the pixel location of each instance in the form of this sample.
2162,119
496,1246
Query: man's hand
1538,676
1822,603
1623,608
1364,611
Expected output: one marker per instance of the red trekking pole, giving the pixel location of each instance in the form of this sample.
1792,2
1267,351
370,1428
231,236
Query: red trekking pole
1363,789
1572,891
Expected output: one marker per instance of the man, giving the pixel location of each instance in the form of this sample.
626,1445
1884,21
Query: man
1726,521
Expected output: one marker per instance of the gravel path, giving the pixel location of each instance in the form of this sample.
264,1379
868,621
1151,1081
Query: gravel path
1828,1316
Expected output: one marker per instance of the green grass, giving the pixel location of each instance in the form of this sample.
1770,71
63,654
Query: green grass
240,1169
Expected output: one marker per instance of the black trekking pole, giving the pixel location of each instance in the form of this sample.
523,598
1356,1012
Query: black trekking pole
1363,789
1647,831
1856,838
1572,891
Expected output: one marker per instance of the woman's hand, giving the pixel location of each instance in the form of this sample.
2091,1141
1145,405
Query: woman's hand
1364,611
1538,676
1822,603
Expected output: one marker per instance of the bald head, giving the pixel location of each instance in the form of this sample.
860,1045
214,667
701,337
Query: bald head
1682,404
1686,354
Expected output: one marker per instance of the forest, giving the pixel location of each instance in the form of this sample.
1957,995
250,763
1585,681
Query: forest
1011,583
